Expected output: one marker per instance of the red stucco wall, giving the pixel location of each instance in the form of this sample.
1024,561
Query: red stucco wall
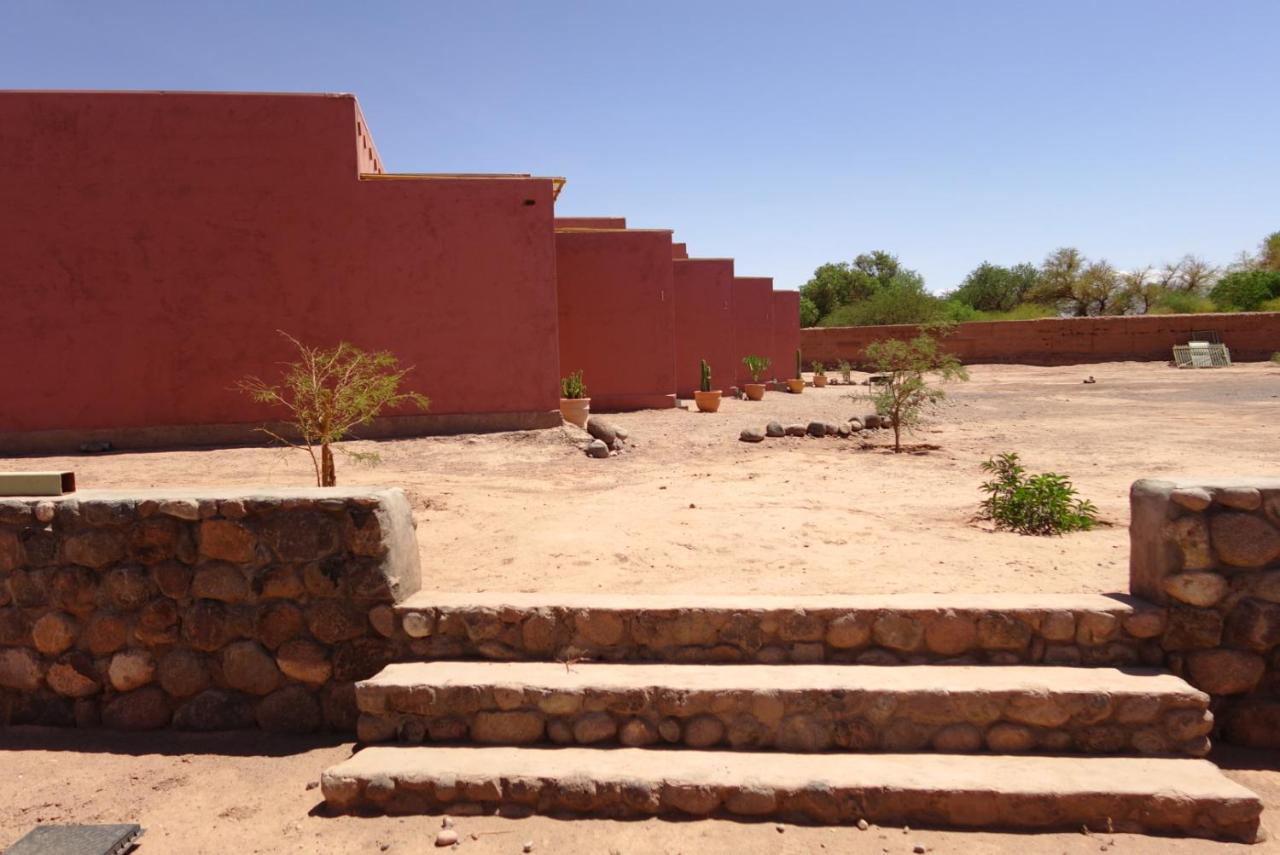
617,315
155,243
591,222
786,333
753,324
704,322
1065,341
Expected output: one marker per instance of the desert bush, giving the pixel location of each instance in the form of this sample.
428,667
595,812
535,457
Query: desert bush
1033,504
907,366
572,386
1181,303
329,392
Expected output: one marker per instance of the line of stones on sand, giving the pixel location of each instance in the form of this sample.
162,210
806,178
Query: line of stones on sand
1006,723
199,614
858,426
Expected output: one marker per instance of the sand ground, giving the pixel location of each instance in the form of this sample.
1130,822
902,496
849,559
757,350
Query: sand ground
688,508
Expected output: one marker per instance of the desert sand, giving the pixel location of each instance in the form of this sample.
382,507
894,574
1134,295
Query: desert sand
687,508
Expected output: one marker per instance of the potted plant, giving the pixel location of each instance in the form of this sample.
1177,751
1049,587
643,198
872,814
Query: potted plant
796,384
819,375
757,365
707,399
575,406
846,372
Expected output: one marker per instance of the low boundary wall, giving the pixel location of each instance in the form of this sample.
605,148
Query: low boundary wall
200,611
1251,337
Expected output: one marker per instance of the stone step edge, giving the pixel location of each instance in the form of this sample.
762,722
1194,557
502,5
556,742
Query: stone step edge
1143,795
961,709
638,602
1057,629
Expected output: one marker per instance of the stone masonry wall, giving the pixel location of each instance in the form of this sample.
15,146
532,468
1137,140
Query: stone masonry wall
1211,552
199,611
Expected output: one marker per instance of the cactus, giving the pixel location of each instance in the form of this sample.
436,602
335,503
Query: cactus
572,386
819,370
705,384
799,365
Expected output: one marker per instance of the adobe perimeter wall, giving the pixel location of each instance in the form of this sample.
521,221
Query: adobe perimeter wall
753,325
1251,337
199,610
617,315
704,323
156,243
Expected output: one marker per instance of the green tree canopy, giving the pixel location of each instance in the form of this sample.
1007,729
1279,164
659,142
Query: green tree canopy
1246,290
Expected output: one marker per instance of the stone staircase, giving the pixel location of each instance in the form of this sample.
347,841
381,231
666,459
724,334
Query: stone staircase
928,711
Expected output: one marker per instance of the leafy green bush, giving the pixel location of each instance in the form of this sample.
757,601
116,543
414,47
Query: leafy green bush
756,365
1246,290
1182,303
894,305
1033,504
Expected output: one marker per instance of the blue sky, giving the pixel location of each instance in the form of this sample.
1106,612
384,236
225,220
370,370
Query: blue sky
783,134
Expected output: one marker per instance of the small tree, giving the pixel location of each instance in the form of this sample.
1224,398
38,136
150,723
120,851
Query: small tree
907,367
328,392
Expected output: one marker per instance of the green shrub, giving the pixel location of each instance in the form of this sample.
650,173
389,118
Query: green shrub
757,365
895,305
1246,290
1023,312
1033,504
1275,358
1182,303
1270,306
572,386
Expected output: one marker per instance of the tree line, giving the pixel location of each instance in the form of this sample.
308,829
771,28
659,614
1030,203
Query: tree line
875,288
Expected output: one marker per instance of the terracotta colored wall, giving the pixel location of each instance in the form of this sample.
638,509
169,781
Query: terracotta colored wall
786,332
704,322
617,315
752,323
591,222
679,250
1066,341
155,243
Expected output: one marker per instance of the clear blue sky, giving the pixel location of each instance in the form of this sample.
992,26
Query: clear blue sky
784,134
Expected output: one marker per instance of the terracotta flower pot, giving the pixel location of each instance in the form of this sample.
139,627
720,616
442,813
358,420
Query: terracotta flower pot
755,391
575,410
708,402
819,380
795,386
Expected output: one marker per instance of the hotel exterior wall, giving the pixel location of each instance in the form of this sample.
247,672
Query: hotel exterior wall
156,243
617,315
786,332
753,324
704,322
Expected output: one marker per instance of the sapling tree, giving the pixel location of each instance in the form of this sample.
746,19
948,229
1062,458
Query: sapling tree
910,369
328,392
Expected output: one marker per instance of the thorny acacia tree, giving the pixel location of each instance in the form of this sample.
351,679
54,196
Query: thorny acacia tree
328,392
908,367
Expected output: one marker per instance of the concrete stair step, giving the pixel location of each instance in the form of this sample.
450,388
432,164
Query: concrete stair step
950,708
1127,794
1056,629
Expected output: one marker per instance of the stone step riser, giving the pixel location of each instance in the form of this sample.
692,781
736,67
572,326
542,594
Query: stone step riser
884,789
489,704
1090,630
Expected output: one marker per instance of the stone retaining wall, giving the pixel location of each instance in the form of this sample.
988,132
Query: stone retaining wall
1211,552
200,611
